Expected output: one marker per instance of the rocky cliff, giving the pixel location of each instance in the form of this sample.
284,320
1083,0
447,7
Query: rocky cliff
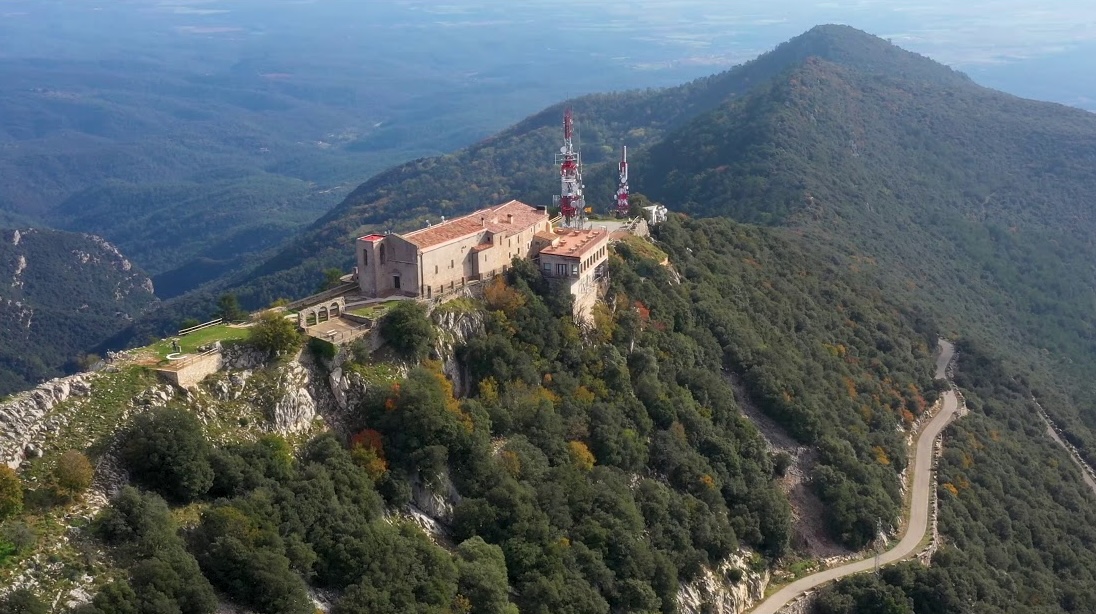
731,588
456,324
27,416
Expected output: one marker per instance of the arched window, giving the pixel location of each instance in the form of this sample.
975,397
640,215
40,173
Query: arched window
322,316
382,254
335,310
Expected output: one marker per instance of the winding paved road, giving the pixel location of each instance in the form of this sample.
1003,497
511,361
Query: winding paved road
921,502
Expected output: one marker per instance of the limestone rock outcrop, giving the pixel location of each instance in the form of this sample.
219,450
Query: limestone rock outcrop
25,416
294,407
730,588
455,328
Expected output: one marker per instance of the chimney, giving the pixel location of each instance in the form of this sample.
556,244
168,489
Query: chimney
483,222
509,218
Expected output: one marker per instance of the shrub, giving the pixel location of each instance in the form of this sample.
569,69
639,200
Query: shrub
408,330
167,452
22,601
275,334
72,475
11,493
21,537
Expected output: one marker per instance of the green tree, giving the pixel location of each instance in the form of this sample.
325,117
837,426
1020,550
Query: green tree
22,601
72,475
229,310
166,451
163,576
408,330
275,334
11,492
117,597
332,278
481,577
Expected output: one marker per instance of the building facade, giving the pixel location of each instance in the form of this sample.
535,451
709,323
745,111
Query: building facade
577,258
444,257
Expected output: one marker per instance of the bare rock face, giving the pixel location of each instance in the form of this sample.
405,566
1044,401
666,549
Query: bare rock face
730,588
437,501
28,414
455,328
242,356
294,408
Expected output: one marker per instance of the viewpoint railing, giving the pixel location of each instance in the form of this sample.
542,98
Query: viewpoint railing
187,331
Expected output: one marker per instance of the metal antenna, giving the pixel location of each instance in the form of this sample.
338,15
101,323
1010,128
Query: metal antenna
622,187
572,205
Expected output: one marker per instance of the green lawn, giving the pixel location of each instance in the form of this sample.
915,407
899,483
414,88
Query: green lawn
374,310
189,343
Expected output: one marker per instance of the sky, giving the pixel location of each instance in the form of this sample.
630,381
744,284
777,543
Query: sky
1037,48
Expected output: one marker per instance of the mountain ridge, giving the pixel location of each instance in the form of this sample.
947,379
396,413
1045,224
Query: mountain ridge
515,163
60,294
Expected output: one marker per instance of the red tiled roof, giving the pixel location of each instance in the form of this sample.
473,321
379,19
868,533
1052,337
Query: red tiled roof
576,243
372,237
496,220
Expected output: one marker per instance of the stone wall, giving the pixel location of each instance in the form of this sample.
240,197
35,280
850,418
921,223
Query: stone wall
193,370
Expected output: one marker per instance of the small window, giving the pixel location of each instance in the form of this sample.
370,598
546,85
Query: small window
382,256
395,279
451,263
365,257
548,267
574,269
435,269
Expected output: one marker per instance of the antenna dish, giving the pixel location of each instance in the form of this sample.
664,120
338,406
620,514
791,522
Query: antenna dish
562,150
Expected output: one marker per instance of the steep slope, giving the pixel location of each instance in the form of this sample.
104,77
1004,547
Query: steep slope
928,183
60,295
975,207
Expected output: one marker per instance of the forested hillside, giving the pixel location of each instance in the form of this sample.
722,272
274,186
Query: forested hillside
971,204
596,470
60,294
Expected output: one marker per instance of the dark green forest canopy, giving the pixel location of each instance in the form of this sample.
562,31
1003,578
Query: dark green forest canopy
596,470
62,294
1017,520
970,204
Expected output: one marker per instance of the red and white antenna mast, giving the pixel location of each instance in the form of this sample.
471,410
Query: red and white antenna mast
572,206
622,206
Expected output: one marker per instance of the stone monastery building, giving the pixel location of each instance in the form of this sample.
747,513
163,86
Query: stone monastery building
438,259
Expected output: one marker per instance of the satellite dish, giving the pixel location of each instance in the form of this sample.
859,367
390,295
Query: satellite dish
562,150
